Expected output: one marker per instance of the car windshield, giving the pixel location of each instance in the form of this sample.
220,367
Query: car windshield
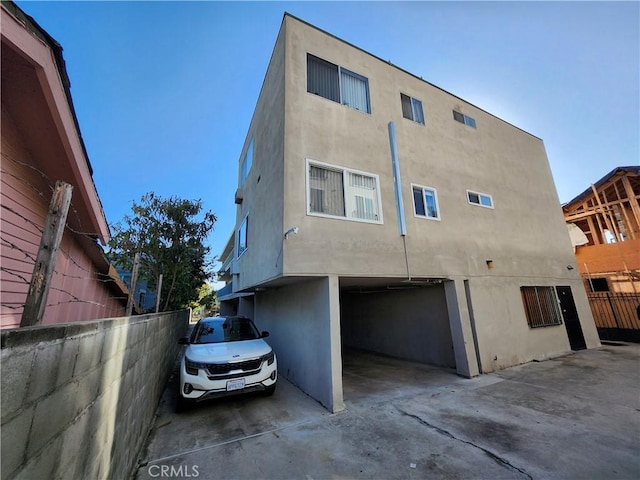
219,330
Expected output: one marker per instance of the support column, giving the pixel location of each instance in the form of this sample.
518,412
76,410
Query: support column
335,341
461,331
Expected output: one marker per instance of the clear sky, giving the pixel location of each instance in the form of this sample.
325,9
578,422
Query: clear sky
164,91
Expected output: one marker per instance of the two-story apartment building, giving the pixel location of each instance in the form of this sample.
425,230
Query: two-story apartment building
378,211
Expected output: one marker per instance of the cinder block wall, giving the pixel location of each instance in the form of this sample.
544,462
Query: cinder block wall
78,399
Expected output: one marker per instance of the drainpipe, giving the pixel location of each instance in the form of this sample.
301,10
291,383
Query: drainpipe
397,181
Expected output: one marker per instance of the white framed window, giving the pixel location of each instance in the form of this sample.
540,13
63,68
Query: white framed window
425,202
339,192
247,162
338,84
467,120
242,236
480,199
412,108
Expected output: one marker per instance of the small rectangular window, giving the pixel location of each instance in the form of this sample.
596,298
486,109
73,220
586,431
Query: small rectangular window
480,199
337,84
541,306
459,117
242,236
340,192
247,162
411,108
425,202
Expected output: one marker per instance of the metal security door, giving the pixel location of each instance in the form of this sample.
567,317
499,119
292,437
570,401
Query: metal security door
570,317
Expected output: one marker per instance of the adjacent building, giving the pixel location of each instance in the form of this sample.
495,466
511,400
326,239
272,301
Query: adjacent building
605,225
41,145
378,211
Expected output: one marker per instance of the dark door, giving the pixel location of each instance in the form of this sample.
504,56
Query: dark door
570,317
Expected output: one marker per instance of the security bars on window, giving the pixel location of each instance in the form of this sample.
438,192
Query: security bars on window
541,306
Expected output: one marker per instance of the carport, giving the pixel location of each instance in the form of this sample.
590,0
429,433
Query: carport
407,320
314,321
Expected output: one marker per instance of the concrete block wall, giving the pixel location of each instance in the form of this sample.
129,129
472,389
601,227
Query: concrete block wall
78,399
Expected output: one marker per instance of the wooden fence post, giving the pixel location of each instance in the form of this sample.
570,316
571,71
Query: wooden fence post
134,279
158,291
46,258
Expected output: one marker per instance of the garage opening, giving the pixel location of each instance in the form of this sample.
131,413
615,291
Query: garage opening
406,321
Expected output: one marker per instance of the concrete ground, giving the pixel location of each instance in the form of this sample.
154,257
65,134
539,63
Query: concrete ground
573,417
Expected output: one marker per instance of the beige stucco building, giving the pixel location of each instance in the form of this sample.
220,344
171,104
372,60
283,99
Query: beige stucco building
378,211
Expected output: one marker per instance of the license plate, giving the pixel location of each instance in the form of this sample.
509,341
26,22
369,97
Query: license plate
235,384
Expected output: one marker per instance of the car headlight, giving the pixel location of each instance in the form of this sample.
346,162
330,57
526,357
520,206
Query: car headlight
269,357
193,367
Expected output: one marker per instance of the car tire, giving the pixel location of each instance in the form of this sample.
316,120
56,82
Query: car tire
270,390
182,404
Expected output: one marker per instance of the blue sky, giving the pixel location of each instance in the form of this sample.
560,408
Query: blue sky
164,91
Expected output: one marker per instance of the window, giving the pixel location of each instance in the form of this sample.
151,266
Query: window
598,284
247,161
425,202
338,84
411,108
242,236
459,117
340,192
480,199
541,306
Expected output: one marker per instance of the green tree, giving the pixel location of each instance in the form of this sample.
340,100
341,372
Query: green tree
170,235
207,304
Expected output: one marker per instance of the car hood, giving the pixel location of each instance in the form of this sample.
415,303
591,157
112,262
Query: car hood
227,352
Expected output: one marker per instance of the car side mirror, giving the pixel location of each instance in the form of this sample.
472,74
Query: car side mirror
183,341
265,334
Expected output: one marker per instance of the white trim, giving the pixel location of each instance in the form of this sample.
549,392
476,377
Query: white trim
480,204
435,194
338,168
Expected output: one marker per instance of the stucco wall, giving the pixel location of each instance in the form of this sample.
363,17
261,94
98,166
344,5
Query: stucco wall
410,324
78,399
525,232
304,324
505,338
263,188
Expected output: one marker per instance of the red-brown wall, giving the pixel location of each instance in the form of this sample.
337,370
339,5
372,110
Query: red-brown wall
77,292
612,257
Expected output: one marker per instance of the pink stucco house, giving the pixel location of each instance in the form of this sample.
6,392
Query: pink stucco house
42,144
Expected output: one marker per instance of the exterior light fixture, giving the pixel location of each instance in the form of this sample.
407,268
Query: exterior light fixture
292,230
489,263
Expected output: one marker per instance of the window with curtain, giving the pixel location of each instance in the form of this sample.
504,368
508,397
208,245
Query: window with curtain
340,192
338,84
425,202
412,108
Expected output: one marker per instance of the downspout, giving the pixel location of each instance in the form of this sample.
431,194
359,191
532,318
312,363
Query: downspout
395,164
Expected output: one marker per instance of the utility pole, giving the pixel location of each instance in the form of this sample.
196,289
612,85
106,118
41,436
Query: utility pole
46,259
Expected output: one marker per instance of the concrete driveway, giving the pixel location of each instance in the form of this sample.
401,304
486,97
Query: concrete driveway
574,417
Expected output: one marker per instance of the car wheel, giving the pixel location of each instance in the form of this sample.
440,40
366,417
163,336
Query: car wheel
182,404
268,391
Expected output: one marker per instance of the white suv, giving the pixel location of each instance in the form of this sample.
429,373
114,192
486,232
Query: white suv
225,356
